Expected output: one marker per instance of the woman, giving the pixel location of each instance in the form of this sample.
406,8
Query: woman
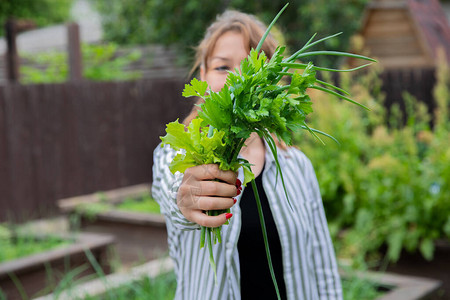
301,249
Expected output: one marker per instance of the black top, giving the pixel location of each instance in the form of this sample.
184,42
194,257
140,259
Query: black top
256,282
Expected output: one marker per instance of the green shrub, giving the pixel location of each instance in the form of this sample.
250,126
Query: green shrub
42,12
386,184
100,63
170,22
355,288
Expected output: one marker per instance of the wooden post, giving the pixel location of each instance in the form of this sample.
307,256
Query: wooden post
74,49
12,29
12,58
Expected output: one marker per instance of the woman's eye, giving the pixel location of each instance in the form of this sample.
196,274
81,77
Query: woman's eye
222,68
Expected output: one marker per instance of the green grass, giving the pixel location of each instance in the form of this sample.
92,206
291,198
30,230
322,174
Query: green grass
144,204
160,288
15,246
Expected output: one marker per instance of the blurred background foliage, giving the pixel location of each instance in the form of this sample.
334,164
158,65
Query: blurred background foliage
183,24
387,184
100,63
42,12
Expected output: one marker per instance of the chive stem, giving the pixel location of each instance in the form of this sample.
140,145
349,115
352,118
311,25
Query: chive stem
261,42
264,232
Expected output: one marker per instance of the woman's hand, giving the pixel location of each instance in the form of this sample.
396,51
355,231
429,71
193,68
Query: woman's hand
199,192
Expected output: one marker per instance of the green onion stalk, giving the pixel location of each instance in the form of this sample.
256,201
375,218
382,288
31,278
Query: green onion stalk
253,99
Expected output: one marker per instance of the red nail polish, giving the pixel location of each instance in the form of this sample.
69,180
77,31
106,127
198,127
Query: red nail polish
234,200
228,215
238,192
240,188
238,183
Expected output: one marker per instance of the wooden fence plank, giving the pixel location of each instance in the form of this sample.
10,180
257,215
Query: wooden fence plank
5,184
88,132
130,107
50,104
19,149
37,155
72,174
417,82
106,167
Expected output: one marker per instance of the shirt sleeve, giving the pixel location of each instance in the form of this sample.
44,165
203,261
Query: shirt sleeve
165,188
324,258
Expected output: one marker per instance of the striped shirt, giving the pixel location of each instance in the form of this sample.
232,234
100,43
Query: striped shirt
309,262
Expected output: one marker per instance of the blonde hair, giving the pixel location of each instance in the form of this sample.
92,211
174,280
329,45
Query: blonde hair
249,26
252,31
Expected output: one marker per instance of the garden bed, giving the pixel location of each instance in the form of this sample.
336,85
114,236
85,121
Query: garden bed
416,265
139,236
158,275
400,287
111,286
36,274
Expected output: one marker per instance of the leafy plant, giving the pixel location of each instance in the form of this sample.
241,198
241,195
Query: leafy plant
103,63
355,288
386,184
100,63
254,99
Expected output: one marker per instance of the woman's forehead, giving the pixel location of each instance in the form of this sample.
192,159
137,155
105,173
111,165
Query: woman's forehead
229,45
219,58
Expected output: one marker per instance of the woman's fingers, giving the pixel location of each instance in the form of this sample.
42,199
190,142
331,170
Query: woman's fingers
202,219
211,172
205,202
216,188
206,195
214,203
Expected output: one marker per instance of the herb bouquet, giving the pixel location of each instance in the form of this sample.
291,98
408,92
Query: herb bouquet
252,100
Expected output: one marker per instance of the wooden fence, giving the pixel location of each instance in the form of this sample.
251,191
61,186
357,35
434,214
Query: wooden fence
61,140
417,82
